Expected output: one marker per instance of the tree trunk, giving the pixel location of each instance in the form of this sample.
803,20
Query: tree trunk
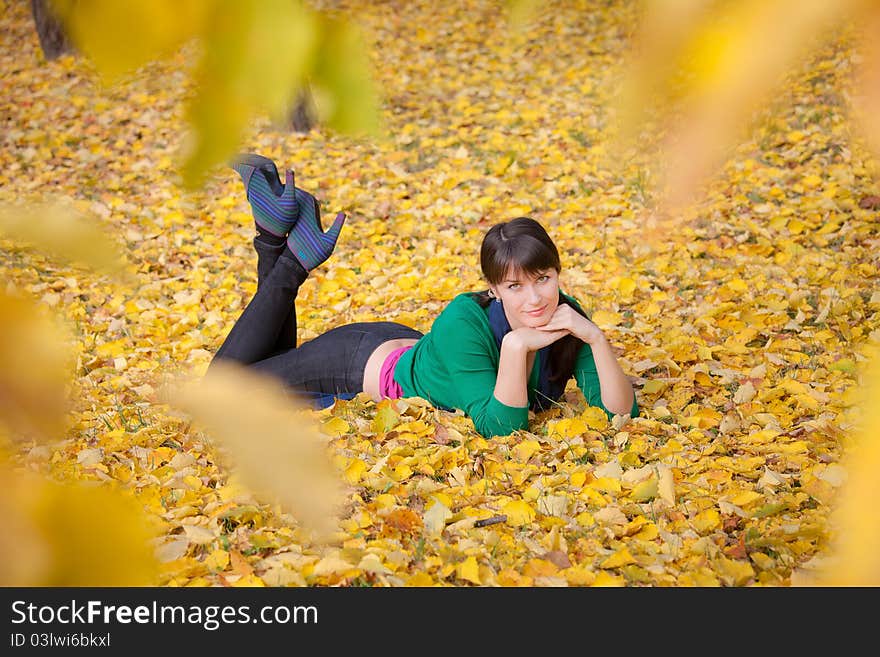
302,116
53,39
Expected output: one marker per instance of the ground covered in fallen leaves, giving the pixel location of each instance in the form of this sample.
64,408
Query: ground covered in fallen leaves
744,331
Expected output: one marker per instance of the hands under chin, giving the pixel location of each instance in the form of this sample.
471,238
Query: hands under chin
567,320
534,339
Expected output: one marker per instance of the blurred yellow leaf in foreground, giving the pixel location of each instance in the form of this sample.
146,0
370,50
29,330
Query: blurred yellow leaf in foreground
36,366
704,68
120,36
274,445
74,534
57,229
855,560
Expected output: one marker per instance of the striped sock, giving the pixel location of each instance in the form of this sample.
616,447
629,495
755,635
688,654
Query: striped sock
307,241
274,206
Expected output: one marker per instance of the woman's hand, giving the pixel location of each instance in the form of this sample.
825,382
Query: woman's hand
568,320
532,339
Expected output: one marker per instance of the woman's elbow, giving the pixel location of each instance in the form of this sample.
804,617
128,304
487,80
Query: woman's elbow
622,404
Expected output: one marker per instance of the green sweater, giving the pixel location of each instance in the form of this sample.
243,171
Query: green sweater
455,366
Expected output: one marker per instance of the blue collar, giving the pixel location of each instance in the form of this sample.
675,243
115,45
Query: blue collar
547,391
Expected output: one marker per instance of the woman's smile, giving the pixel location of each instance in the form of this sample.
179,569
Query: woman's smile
536,313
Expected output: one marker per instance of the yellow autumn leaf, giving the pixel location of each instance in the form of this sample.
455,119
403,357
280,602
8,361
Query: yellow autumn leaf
763,561
518,513
735,572
217,560
239,64
241,68
620,558
595,418
332,564
605,484
585,519
372,563
706,521
386,417
794,447
199,535
648,533
592,496
469,571
435,517
536,568
701,577
645,490
355,471
420,579
335,426
401,472
532,493
738,285
666,484
606,319
606,579
440,497
553,505
342,80
653,386
746,497
626,286
569,427
579,576
524,450
819,490
720,62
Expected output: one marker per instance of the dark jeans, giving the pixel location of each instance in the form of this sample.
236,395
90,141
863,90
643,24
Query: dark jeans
264,336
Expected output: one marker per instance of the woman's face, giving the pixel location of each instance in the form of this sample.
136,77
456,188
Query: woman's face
528,299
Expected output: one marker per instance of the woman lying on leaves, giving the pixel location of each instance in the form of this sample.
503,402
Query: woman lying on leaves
494,354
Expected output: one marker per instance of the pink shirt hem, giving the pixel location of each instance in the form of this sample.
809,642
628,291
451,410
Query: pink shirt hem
388,387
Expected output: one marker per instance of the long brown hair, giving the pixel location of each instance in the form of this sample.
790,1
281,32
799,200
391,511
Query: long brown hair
522,244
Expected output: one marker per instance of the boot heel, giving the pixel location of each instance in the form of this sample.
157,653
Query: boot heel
273,204
247,163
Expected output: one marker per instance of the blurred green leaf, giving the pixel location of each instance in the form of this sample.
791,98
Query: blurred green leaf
256,57
342,83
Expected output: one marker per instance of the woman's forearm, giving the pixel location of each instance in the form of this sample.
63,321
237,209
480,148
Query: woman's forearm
617,390
510,383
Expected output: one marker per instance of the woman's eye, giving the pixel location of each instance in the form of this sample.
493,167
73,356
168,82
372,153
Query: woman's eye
513,286
543,278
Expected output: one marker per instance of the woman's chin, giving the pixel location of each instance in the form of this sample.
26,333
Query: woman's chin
535,322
